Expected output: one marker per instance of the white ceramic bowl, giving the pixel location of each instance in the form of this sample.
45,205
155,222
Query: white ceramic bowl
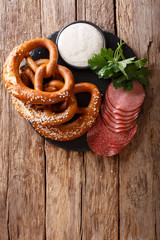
78,41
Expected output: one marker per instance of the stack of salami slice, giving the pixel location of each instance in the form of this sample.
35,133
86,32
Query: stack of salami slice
117,124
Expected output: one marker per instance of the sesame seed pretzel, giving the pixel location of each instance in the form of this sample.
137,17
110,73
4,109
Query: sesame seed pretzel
76,128
82,124
45,114
49,106
18,89
27,76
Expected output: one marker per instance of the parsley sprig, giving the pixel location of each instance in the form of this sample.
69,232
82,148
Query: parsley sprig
113,65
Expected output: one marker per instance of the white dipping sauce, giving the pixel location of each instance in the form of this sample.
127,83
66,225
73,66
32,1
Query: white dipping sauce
78,42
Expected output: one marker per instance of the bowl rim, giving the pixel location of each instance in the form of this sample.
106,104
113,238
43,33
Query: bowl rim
75,22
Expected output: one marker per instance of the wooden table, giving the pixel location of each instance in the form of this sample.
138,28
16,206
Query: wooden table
50,193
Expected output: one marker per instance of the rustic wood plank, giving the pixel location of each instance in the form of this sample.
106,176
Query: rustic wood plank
81,194
63,168
100,181
99,12
22,189
63,199
56,14
138,24
100,198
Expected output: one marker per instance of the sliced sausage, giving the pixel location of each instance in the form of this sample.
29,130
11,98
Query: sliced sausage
126,101
117,127
118,111
113,118
105,142
120,117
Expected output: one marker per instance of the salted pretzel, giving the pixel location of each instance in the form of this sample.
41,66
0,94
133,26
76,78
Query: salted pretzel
27,73
78,127
45,114
17,87
52,85
49,106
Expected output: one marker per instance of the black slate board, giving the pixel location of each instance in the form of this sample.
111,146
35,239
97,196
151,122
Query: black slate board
82,75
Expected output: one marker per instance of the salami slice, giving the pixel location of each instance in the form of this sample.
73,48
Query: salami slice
126,101
110,151
117,127
118,130
118,111
120,117
105,142
114,119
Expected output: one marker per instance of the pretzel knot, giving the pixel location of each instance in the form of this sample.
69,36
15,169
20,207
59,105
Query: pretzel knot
36,95
50,106
68,131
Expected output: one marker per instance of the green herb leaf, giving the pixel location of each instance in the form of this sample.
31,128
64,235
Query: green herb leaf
113,65
128,86
107,53
142,75
120,79
116,84
140,63
97,62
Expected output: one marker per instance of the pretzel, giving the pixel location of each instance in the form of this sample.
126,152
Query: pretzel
45,114
78,127
36,115
53,86
51,106
16,86
27,77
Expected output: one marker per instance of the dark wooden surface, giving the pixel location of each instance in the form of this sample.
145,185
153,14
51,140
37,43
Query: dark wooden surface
50,193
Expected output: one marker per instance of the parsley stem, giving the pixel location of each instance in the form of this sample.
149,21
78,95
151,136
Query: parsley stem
119,52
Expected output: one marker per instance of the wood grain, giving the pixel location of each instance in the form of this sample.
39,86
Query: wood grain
22,189
50,193
138,24
100,181
99,12
56,14
100,198
63,199
63,168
